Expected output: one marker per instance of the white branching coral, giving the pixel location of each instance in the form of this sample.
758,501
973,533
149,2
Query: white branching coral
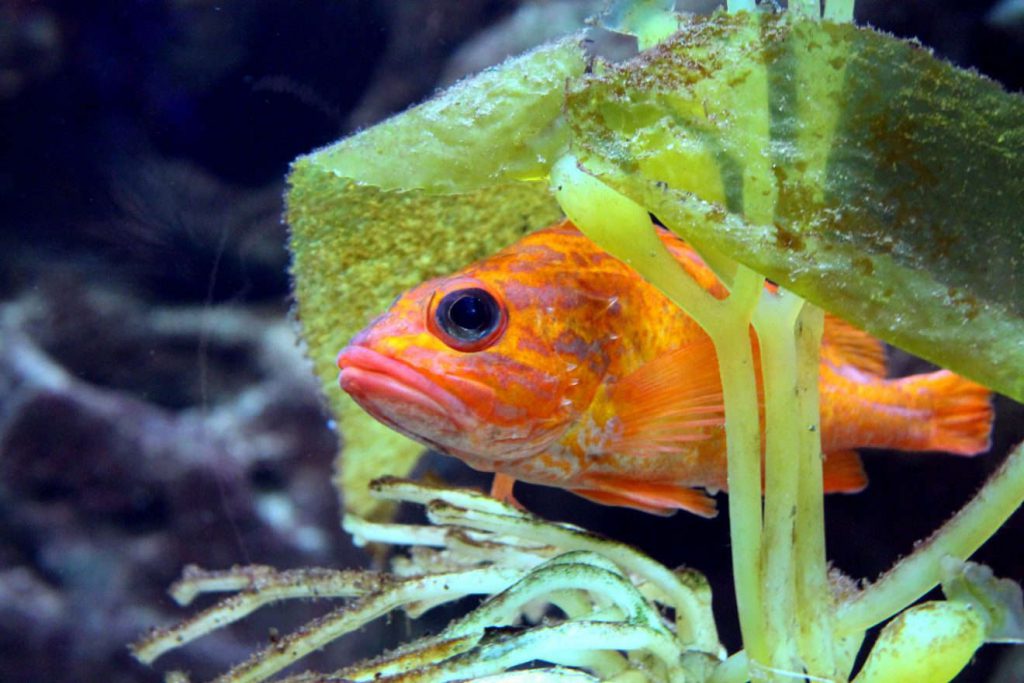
570,605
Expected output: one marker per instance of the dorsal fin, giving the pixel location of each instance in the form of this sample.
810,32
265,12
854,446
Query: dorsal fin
671,400
844,344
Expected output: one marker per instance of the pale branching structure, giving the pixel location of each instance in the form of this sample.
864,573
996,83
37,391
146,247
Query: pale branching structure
575,605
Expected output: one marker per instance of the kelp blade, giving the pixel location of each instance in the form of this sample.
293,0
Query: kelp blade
420,195
896,179
504,124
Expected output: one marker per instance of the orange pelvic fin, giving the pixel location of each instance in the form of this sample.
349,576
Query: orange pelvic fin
671,400
652,497
961,411
501,489
844,472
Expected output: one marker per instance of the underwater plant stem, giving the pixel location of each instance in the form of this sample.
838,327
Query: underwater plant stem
694,622
775,321
916,574
743,455
743,446
272,587
346,619
623,228
728,325
814,600
560,644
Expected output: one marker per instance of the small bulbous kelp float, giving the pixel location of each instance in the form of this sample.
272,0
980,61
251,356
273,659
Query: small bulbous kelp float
554,363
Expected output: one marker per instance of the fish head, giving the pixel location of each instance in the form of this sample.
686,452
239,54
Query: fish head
485,365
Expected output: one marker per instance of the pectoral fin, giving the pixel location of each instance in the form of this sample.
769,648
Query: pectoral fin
671,400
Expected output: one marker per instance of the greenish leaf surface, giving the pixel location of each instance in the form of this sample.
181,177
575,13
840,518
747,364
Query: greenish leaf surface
504,124
420,195
854,168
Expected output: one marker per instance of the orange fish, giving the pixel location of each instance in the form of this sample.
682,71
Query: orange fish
554,363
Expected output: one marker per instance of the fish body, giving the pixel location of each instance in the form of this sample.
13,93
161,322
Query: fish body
552,362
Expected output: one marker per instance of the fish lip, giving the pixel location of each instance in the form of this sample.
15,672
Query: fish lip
365,372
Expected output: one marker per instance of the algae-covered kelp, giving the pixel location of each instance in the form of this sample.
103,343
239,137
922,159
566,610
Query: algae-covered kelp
821,155
879,167
890,181
416,196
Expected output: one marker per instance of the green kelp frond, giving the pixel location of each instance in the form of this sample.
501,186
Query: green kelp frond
854,168
417,196
579,607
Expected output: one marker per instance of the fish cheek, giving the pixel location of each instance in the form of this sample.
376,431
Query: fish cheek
530,404
417,349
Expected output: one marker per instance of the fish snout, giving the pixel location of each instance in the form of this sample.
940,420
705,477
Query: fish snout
399,395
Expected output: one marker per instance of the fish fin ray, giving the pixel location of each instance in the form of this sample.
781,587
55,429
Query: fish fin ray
501,489
961,412
674,399
654,497
844,472
618,500
854,346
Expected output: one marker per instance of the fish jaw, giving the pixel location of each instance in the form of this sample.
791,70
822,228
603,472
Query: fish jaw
451,414
402,397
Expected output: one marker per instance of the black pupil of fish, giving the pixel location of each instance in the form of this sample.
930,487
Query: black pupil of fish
468,314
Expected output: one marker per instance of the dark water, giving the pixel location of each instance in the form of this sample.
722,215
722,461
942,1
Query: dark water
154,410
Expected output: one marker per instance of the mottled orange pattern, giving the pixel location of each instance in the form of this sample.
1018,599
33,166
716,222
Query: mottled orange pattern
585,377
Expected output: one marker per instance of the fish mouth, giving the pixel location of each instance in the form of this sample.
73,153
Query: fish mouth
399,395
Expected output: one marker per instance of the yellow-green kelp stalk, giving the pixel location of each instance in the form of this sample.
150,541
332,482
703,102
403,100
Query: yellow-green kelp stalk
623,228
772,578
919,572
785,605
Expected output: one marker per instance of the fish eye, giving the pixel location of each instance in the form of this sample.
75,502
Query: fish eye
468,319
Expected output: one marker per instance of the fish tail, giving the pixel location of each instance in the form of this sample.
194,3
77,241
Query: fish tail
961,412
